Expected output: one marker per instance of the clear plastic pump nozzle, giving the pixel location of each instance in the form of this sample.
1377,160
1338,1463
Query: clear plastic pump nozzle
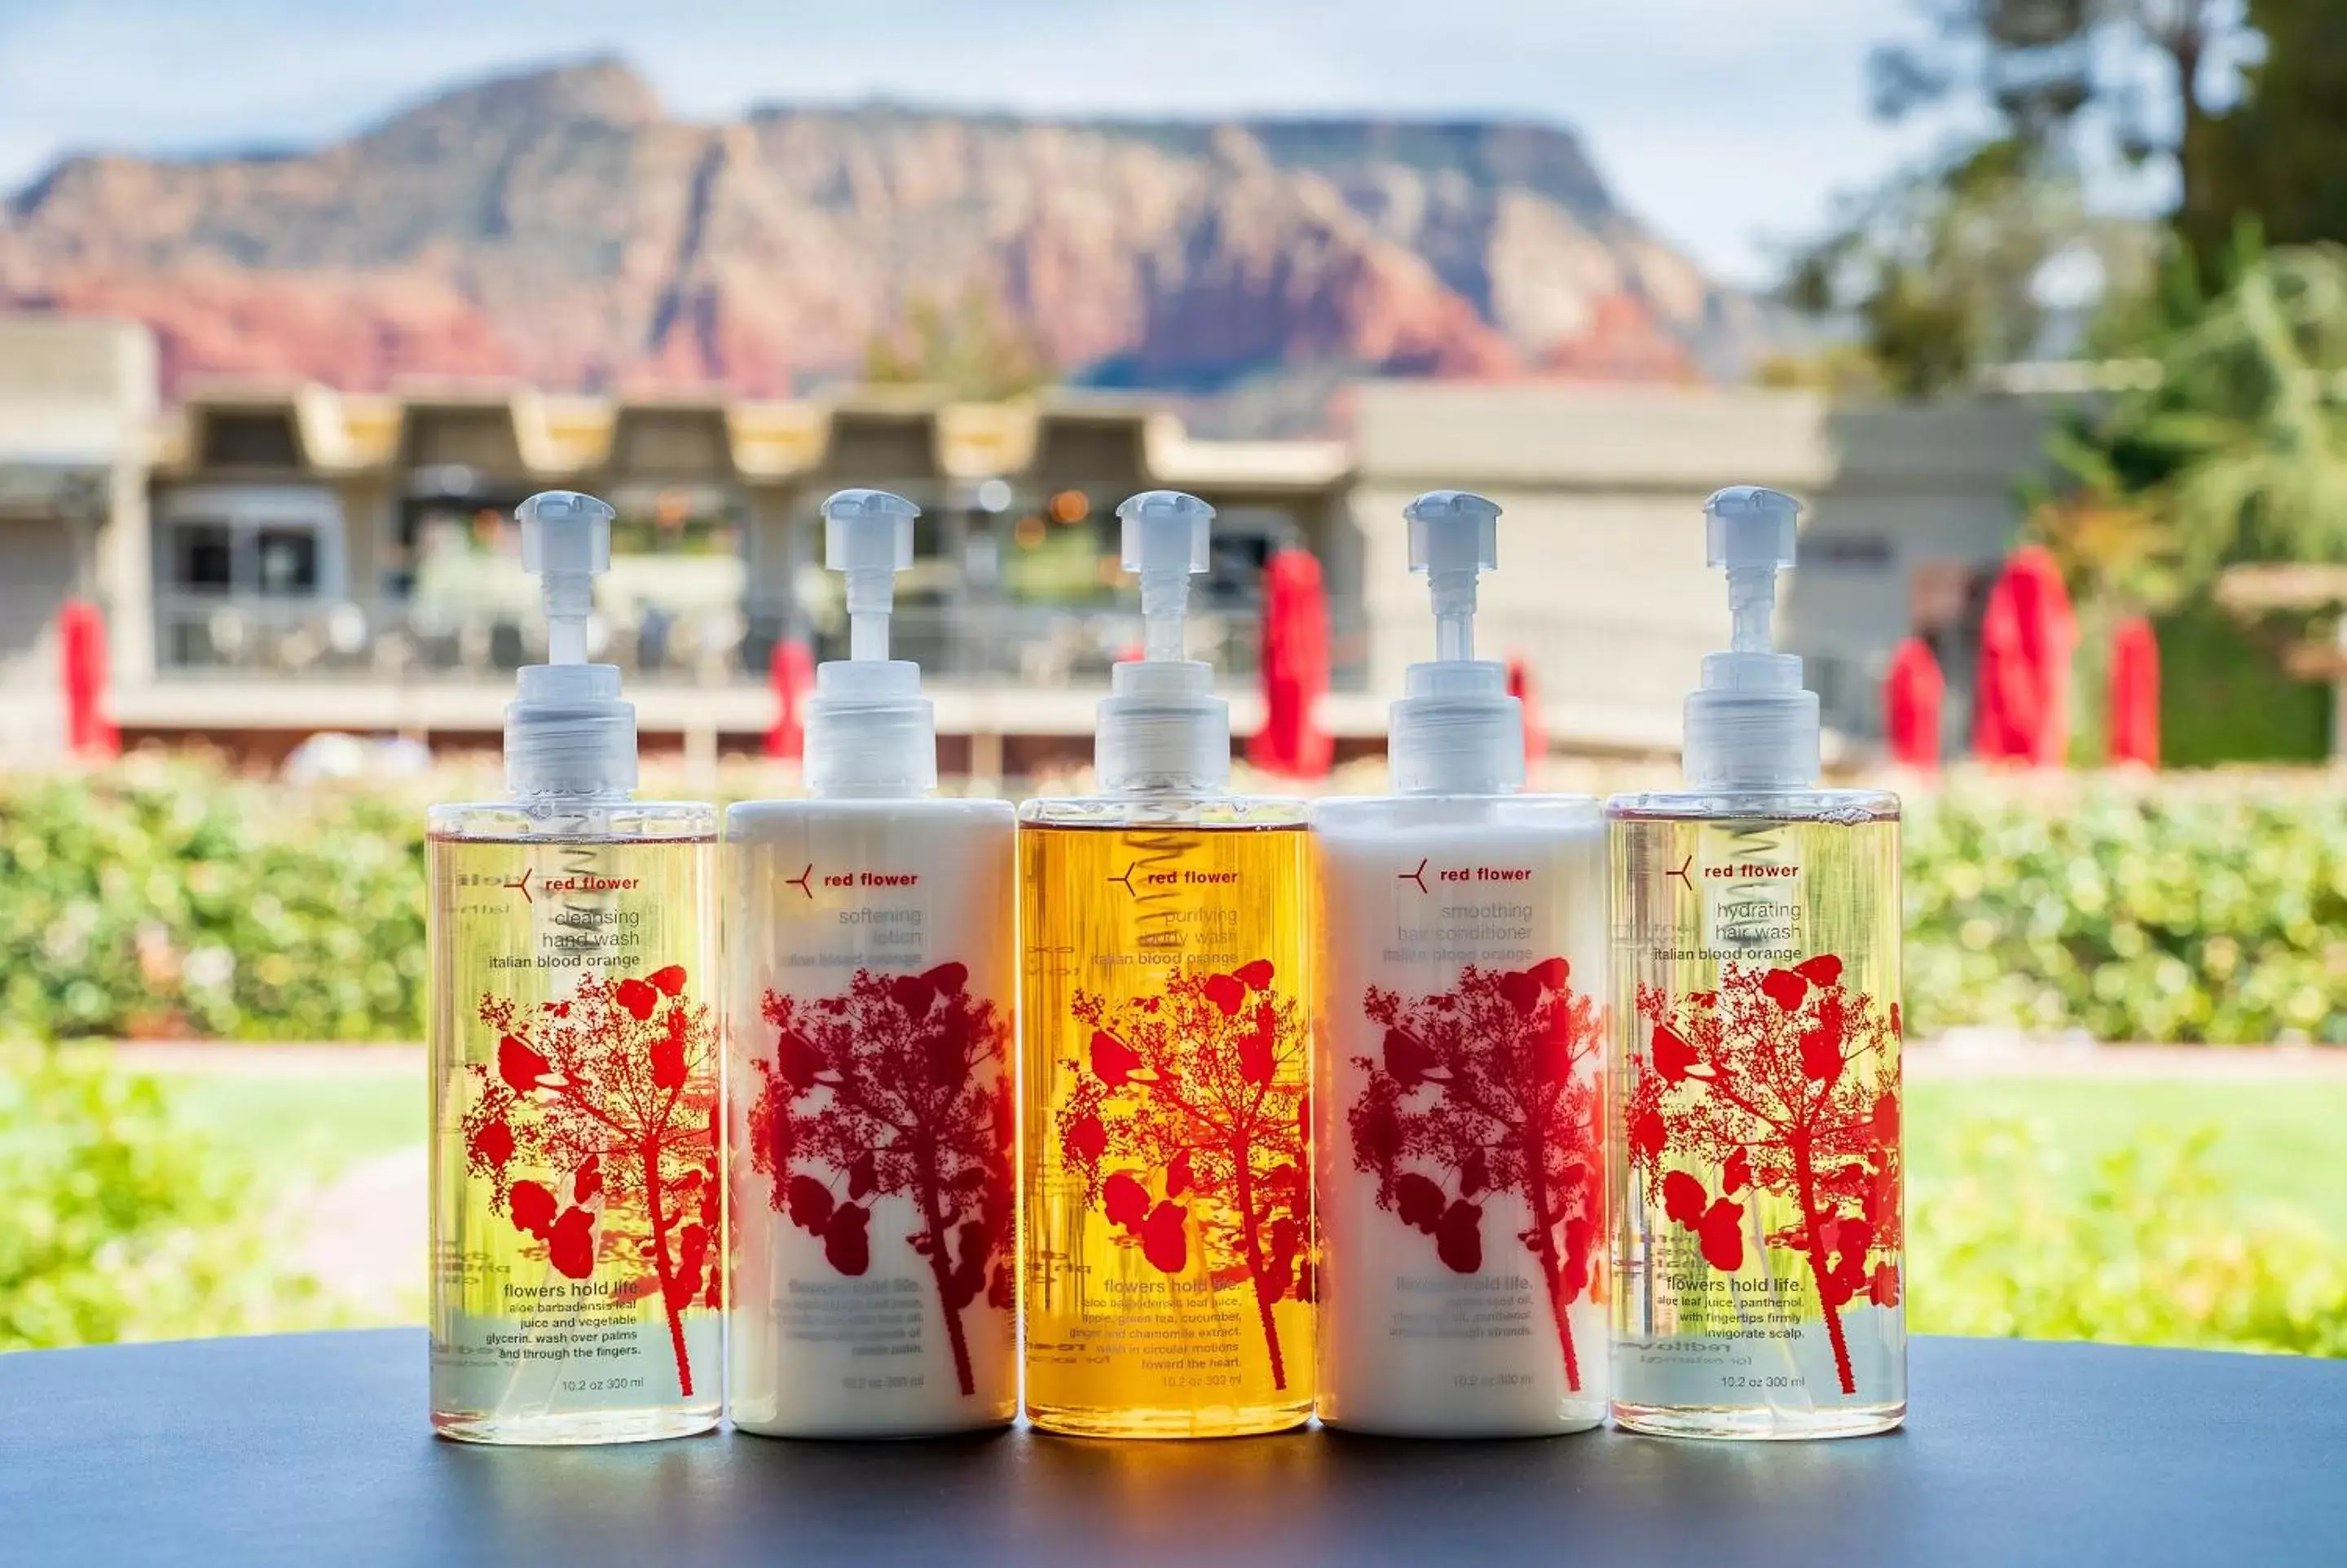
869,729
1166,535
1456,730
1750,724
867,539
1454,537
566,540
1161,726
1753,532
567,731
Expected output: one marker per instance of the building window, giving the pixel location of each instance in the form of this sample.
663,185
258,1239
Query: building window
1846,552
249,441
203,556
250,543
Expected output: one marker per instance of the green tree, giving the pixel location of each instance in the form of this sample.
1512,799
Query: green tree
969,346
2278,157
1941,269
2238,447
2232,453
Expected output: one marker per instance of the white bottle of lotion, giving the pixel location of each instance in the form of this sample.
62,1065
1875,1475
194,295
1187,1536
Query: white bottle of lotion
1462,1182
870,1031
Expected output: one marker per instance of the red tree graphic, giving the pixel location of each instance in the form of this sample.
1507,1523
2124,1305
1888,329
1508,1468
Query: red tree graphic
1481,1085
613,1096
897,1086
1767,1081
1190,1113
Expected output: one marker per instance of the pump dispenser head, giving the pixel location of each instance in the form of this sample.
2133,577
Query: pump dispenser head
1456,730
567,731
869,729
1751,725
1162,727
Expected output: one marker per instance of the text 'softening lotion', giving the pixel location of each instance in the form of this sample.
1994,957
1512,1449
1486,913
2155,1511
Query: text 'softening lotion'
870,1031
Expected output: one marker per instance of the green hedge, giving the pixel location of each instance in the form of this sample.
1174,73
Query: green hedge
2208,908
160,897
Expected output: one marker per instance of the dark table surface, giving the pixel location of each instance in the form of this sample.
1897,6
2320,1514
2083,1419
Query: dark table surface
313,1449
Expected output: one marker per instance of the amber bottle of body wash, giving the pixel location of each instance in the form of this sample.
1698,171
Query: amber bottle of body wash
1167,1124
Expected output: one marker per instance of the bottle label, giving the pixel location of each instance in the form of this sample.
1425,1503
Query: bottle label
577,1213
1752,896
1168,1243
1759,1116
1464,1200
875,1188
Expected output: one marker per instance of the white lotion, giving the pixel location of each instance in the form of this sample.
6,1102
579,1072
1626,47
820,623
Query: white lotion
1461,1174
871,1032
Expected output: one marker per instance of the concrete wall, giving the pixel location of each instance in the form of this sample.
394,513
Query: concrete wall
1603,584
76,404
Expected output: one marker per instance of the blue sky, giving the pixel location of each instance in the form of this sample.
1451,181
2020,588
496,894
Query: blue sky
1727,124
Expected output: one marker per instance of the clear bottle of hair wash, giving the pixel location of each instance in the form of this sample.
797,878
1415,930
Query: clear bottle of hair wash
870,946
1756,1107
1165,960
1460,1089
577,1209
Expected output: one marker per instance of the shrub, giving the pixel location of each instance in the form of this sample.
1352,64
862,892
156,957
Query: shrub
160,897
116,1224
2141,1246
2184,910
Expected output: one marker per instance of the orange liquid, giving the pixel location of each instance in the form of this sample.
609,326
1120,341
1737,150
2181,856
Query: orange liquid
1166,1159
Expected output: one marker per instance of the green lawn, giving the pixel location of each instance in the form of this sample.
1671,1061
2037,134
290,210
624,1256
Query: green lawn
2277,1141
316,1123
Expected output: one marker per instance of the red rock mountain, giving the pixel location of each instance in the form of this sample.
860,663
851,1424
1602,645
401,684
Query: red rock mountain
559,226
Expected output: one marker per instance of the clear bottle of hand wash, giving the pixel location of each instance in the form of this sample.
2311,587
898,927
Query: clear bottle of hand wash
577,1205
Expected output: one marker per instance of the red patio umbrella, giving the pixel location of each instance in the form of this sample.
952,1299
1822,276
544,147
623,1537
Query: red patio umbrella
2135,694
1295,667
2022,712
1525,687
1913,696
790,670
81,659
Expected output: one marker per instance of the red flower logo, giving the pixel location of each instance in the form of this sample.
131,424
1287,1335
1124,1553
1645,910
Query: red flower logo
1788,1084
898,1086
1189,1127
1490,1087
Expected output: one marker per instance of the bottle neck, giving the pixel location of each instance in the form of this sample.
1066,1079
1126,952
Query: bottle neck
1162,731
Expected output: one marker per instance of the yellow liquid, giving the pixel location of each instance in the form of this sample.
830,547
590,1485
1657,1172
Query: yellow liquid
576,1224
1166,1175
1802,1335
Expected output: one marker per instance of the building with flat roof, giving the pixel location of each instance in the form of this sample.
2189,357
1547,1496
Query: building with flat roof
280,559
